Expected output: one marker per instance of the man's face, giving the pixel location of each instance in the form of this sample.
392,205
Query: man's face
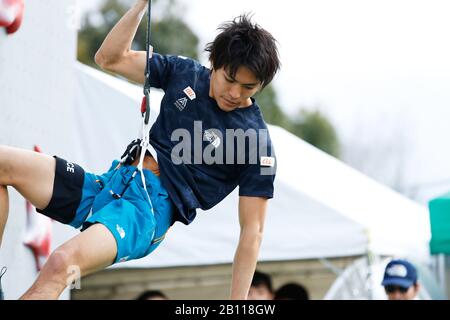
230,92
399,293
260,292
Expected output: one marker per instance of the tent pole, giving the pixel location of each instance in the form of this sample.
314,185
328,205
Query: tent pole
441,272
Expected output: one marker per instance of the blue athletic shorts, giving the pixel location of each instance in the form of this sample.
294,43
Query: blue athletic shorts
115,199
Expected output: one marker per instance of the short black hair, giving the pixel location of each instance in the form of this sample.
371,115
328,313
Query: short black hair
244,43
150,294
292,291
262,279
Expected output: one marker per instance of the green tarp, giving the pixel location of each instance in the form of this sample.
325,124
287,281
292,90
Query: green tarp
440,224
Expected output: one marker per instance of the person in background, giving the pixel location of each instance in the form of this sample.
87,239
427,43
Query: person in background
261,287
152,295
292,291
400,280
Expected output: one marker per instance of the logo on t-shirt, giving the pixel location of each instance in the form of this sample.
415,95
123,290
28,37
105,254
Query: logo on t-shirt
181,103
212,137
267,162
190,93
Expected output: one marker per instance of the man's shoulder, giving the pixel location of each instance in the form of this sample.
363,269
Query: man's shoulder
188,64
256,117
178,60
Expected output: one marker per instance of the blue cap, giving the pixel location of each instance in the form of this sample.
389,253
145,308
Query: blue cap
400,273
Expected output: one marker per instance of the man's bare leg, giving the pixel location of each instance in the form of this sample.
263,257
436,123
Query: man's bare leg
90,251
30,173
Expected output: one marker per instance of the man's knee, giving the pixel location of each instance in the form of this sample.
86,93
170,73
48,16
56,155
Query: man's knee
6,166
62,263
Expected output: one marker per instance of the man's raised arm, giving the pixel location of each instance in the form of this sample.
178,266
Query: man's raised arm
115,54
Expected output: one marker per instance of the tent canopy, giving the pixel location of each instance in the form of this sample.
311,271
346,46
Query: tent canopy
440,224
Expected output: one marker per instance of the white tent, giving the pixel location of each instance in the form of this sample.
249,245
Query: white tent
322,208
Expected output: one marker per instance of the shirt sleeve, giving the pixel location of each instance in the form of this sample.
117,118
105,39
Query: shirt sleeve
162,68
257,180
254,184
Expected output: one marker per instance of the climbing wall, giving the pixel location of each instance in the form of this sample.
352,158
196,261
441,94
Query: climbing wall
37,90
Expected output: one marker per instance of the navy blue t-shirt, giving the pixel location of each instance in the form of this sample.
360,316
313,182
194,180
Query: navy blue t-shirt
204,153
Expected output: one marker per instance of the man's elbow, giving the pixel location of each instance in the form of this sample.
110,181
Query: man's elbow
252,236
101,60
104,61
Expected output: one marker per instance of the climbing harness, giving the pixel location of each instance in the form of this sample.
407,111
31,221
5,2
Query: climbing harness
142,144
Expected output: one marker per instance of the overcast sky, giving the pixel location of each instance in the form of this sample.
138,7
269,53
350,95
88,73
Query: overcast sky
381,64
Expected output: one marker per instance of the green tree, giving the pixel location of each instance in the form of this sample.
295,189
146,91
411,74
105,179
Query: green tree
173,36
271,110
170,34
316,129
311,126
